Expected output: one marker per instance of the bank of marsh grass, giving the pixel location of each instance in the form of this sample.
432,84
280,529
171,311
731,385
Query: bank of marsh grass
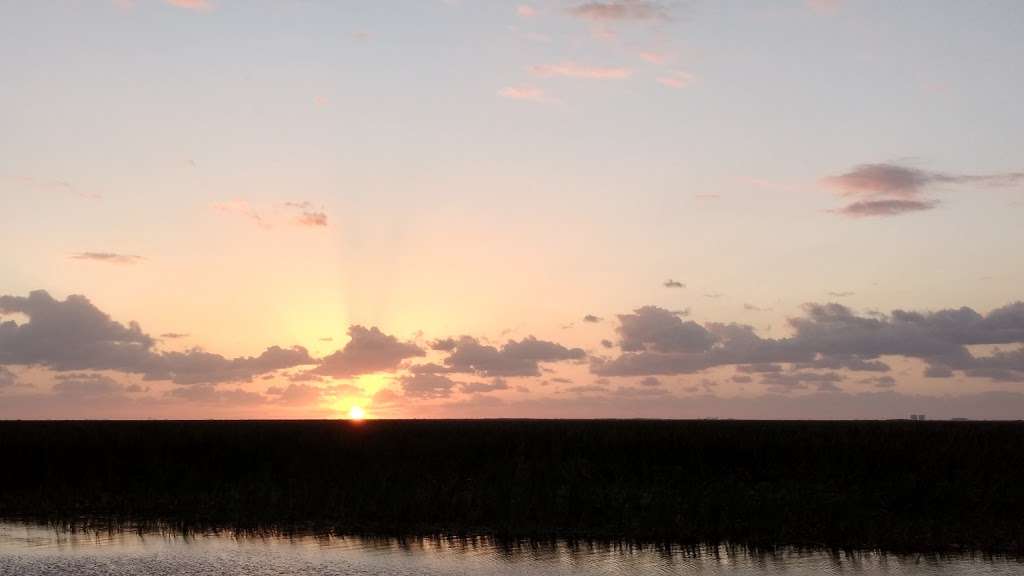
928,486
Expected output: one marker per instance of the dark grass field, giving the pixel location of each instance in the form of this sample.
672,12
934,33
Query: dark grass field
898,486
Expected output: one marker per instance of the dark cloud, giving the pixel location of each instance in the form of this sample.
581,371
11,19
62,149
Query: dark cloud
296,394
427,385
514,358
659,330
108,257
824,381
312,219
369,350
891,189
893,180
484,387
893,207
670,283
742,379
650,381
87,386
74,335
618,10
7,378
607,343
208,394
827,336
591,318
880,381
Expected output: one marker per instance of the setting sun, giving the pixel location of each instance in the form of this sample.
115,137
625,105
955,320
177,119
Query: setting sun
356,413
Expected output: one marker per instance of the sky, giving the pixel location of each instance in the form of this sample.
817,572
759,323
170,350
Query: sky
548,209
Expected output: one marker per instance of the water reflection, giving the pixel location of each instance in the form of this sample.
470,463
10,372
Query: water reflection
31,549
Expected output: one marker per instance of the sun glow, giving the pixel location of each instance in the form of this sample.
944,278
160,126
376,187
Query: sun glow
356,413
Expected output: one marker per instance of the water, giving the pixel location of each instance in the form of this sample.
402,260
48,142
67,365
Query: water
27,550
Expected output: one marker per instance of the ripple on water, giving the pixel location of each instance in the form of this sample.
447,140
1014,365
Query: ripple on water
29,550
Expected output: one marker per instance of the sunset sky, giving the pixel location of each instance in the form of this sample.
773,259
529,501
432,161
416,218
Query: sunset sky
470,208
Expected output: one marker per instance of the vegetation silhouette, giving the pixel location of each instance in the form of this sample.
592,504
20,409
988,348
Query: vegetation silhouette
895,486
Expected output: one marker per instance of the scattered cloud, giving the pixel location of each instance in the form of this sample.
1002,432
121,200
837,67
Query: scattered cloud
74,335
484,387
574,70
198,5
890,189
173,335
591,318
108,258
427,385
825,336
526,93
670,283
514,358
620,10
840,294
676,79
303,214
368,350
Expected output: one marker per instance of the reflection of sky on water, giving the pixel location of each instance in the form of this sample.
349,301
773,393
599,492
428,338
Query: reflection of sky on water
29,550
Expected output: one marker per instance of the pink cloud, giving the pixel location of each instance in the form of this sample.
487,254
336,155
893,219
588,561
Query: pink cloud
573,70
191,4
653,57
676,79
528,93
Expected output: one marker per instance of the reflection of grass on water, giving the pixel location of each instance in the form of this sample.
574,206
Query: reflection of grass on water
925,486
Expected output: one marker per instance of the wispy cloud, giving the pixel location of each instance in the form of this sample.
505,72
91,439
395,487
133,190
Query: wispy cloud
198,5
670,283
891,189
574,70
676,79
298,213
108,257
527,93
620,10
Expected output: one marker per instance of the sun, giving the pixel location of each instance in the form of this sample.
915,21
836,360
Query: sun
356,413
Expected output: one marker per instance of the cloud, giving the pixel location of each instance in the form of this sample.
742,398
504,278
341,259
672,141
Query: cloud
198,5
825,336
890,189
619,10
840,294
514,358
824,381
425,385
87,386
526,11
74,335
7,378
303,213
823,6
753,308
526,93
574,70
880,381
208,394
591,318
296,394
868,208
173,335
653,57
108,257
368,350
670,283
657,329
484,387
676,79
650,381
